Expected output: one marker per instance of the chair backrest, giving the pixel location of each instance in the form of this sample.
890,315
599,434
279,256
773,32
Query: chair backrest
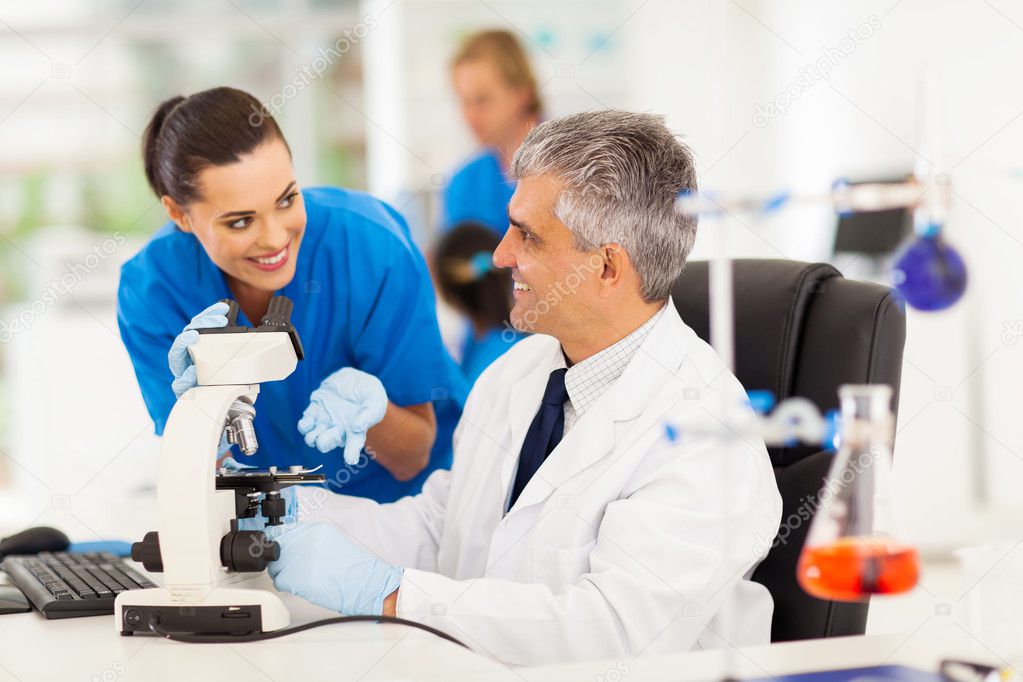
801,329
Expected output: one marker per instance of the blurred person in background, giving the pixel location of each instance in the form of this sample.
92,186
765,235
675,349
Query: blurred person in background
500,102
470,283
242,227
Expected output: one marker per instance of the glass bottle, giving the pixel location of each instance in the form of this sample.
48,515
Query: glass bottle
854,549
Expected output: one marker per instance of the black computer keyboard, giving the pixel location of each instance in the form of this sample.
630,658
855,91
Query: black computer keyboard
63,585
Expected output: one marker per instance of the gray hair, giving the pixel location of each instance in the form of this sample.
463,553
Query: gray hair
622,173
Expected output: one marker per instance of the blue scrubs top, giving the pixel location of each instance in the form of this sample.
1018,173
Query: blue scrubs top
478,354
363,299
479,191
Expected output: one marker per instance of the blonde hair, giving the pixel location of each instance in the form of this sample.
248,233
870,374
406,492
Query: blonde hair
504,51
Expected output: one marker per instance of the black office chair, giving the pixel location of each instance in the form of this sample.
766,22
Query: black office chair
801,329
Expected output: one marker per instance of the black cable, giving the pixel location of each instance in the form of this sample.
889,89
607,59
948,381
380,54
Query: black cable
273,634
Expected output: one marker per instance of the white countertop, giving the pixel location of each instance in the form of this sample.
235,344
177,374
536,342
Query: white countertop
918,629
32,648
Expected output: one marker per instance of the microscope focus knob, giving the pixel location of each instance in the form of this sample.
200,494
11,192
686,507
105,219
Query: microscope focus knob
147,552
248,551
274,508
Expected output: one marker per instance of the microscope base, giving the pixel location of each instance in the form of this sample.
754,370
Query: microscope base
227,611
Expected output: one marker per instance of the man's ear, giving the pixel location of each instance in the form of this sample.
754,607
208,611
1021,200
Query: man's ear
616,267
176,213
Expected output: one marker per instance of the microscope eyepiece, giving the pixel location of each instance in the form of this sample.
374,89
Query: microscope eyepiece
232,311
278,319
278,313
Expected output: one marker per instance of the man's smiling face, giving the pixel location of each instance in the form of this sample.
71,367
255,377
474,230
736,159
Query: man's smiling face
555,284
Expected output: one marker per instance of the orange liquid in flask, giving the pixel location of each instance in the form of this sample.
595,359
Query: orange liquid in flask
852,569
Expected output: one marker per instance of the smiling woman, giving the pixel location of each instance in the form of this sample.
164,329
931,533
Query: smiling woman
206,170
241,227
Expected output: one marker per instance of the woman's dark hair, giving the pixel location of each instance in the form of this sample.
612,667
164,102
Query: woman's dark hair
211,128
467,277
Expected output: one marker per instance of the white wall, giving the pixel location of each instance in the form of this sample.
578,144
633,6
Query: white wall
710,66
707,65
415,136
81,441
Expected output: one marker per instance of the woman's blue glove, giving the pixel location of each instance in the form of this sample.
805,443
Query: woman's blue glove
182,367
341,410
229,463
180,361
321,565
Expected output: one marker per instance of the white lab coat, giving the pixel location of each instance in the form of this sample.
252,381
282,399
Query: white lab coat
615,547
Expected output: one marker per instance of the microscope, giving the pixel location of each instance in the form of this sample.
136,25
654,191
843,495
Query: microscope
199,545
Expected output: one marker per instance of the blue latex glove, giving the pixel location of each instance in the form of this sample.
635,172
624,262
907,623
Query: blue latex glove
229,463
341,410
321,565
180,361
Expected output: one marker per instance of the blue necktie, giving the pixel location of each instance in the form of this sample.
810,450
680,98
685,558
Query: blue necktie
544,432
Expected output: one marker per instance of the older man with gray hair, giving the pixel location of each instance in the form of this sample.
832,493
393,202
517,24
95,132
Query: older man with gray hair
589,511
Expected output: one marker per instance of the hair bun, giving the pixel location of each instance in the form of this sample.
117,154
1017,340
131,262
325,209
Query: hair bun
149,142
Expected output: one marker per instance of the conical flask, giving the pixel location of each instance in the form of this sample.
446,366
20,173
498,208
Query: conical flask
854,549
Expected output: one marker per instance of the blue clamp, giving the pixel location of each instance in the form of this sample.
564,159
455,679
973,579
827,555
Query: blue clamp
776,202
481,263
833,433
761,401
837,185
670,432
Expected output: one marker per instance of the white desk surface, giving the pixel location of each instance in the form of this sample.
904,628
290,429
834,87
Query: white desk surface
33,648
924,648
